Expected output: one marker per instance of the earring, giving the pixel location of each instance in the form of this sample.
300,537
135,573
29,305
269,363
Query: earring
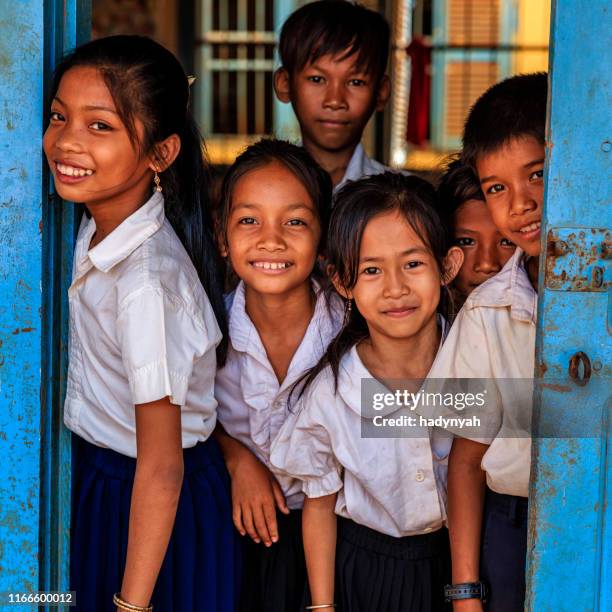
157,182
348,308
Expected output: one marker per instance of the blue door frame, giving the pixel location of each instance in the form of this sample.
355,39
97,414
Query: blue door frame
37,234
570,554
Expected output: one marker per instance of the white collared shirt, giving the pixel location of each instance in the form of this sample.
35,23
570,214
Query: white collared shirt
252,404
360,166
395,485
141,329
493,337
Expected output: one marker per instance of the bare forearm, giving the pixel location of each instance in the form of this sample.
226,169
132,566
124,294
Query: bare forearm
155,498
319,533
466,486
231,449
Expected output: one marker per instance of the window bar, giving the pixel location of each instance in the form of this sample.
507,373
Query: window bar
204,79
241,77
223,93
260,77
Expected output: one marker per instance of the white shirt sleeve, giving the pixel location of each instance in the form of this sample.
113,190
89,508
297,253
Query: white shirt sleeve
303,450
160,341
463,366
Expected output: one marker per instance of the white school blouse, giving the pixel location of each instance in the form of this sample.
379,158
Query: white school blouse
141,329
396,486
493,337
252,404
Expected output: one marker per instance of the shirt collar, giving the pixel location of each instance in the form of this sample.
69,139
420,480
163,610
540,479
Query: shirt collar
356,168
352,371
323,326
511,288
122,241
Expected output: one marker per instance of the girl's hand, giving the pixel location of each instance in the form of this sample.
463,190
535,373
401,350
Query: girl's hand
255,491
255,496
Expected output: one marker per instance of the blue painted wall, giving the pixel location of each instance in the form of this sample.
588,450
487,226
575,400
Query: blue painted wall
571,511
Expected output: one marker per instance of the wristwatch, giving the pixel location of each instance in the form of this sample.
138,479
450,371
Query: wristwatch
466,590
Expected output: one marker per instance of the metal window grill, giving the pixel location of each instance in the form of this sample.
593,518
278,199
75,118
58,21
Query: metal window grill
235,58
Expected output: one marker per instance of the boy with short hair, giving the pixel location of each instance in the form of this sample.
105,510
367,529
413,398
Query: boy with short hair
493,338
464,210
334,56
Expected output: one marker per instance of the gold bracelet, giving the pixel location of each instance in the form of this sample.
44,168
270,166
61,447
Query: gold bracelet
124,605
320,606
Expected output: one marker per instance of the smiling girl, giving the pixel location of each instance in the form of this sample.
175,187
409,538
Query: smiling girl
275,208
151,519
388,548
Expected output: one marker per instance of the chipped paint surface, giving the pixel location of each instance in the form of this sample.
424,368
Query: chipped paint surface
570,527
578,259
21,99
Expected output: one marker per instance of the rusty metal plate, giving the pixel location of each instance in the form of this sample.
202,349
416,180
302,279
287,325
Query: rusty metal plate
579,259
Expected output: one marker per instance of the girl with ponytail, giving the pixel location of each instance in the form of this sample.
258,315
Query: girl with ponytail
374,515
151,519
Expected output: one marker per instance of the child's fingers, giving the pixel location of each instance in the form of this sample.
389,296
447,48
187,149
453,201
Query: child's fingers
237,518
260,524
279,498
247,520
269,511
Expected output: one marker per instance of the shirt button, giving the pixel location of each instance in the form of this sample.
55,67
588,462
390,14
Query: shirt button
420,477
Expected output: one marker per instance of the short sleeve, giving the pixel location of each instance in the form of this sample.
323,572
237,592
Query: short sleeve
303,450
160,342
462,392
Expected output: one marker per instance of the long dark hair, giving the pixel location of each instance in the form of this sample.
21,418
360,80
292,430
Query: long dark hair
147,82
356,204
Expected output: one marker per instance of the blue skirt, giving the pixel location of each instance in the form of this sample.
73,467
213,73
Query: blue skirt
200,570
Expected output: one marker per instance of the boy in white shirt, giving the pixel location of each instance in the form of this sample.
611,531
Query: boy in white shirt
334,56
493,338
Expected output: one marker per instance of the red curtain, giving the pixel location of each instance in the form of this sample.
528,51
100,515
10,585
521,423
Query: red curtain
420,90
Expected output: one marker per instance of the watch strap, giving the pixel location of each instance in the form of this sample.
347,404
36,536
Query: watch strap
465,590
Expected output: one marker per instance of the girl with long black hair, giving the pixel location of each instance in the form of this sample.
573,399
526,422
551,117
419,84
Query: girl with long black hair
151,520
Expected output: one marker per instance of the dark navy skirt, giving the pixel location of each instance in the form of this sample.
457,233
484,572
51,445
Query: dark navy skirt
200,570
274,579
504,551
376,572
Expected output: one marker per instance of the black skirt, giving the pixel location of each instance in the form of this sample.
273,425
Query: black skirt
274,579
379,573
